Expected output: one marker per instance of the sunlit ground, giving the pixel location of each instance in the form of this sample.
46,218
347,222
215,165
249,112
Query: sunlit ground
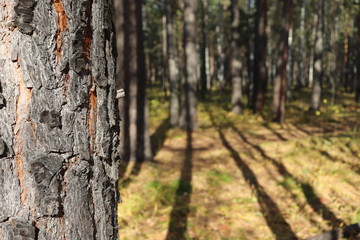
242,177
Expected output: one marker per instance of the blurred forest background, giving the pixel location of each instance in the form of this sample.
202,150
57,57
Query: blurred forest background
240,118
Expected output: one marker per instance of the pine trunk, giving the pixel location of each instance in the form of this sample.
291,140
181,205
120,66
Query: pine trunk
59,121
135,85
188,119
235,62
280,82
260,68
318,59
173,68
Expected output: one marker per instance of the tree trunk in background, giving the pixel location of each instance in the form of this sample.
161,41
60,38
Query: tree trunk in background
203,47
260,68
290,63
312,53
250,54
318,59
280,82
135,83
235,62
334,65
220,47
188,119
173,68
357,94
346,66
59,121
301,76
118,19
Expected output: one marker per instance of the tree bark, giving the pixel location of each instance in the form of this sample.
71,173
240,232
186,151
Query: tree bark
173,68
59,121
235,62
318,59
280,82
188,119
260,68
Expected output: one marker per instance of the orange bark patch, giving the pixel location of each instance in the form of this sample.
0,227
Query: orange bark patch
62,23
22,110
92,117
87,43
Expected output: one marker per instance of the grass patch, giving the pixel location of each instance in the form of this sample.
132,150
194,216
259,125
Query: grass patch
216,178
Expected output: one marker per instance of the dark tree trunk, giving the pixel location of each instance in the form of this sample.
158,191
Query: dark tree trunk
59,121
188,119
260,68
250,55
280,82
135,84
318,59
203,46
173,68
235,62
357,93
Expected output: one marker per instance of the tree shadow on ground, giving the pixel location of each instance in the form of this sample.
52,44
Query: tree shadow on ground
158,137
312,199
271,212
281,137
157,140
179,215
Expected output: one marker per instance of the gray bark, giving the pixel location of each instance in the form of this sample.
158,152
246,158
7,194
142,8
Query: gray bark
59,122
318,59
188,119
173,68
235,64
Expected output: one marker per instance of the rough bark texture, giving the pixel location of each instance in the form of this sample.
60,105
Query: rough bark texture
280,81
318,59
188,119
58,117
260,68
235,63
173,68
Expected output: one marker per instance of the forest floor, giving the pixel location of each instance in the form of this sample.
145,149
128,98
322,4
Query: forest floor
243,177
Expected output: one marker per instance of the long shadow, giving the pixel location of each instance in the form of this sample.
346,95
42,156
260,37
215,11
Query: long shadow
158,137
312,199
179,215
281,137
157,140
271,212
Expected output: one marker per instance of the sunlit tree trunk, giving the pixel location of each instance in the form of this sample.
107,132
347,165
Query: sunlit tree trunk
220,46
260,68
318,59
188,119
59,121
280,82
235,62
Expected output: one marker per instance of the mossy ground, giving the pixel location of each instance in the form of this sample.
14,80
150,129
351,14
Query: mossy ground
244,177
